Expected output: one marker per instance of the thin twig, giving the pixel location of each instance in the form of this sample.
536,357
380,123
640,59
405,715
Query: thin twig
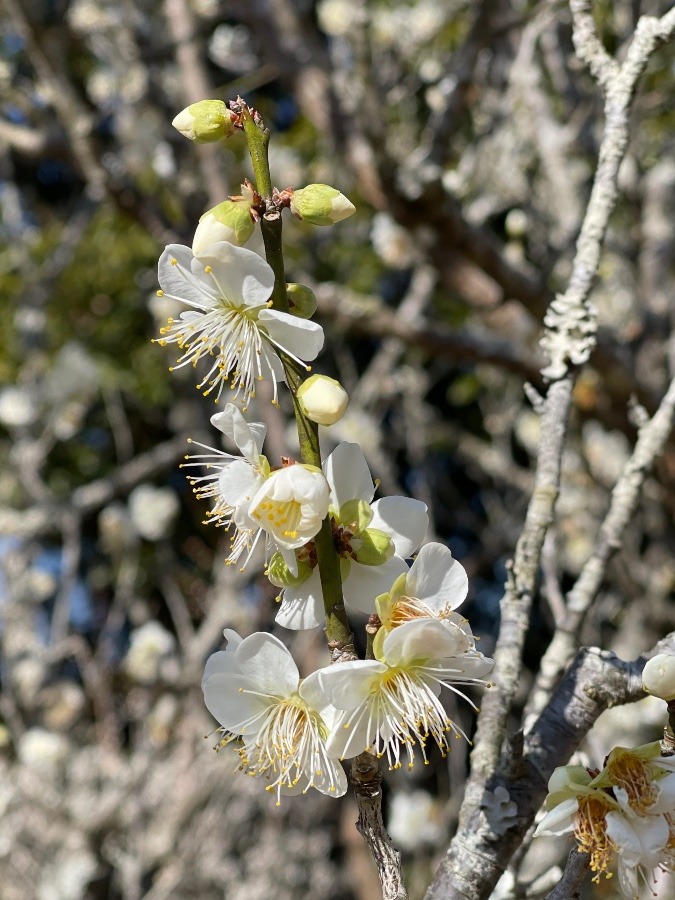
569,886
625,497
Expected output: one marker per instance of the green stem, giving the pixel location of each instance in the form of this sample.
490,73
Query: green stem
338,632
258,138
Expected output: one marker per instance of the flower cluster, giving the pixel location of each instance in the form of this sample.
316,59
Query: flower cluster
292,732
623,815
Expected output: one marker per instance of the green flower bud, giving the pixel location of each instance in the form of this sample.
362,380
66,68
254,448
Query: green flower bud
323,399
206,121
321,204
281,576
229,221
301,300
355,515
374,548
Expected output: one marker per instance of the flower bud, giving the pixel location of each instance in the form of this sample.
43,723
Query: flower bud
658,676
323,399
204,122
229,221
301,300
281,576
321,204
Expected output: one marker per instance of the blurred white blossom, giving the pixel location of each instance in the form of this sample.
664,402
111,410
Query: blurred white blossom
415,820
153,510
43,751
18,408
150,645
392,243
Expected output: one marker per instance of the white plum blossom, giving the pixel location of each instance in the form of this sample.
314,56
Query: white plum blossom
624,811
290,506
434,587
392,702
229,320
279,722
232,481
372,539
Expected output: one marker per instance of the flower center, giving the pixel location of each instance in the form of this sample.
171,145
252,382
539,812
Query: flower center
406,609
591,834
633,774
289,747
280,516
408,711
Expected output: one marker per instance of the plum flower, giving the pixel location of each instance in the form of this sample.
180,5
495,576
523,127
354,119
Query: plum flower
623,812
278,721
291,505
392,701
231,481
372,539
434,587
229,320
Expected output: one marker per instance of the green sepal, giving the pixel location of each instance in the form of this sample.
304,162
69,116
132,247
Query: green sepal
378,643
355,515
399,587
301,300
281,576
374,548
345,568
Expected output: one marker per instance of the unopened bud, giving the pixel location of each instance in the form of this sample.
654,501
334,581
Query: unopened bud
658,676
323,399
321,204
206,121
229,221
281,576
301,300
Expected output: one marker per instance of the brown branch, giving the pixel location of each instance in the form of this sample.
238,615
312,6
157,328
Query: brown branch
366,779
625,496
597,680
569,886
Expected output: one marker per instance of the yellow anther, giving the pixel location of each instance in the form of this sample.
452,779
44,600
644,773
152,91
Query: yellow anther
160,293
174,261
208,269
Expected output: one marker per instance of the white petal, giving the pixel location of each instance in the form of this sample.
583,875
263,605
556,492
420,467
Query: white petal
348,475
266,662
290,559
627,879
419,641
238,482
247,436
312,693
237,274
345,742
464,666
637,837
302,606
365,583
437,578
560,819
227,700
405,520
299,337
347,684
223,663
665,802
177,279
